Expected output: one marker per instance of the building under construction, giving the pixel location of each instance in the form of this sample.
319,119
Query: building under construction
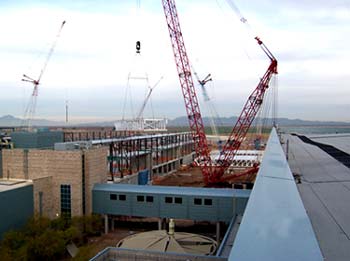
118,174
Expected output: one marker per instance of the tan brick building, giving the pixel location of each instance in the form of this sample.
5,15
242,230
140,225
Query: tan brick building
62,180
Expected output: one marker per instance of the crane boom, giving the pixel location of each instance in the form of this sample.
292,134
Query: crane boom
247,115
187,87
150,90
210,106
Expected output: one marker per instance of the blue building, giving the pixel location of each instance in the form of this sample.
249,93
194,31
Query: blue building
200,204
16,203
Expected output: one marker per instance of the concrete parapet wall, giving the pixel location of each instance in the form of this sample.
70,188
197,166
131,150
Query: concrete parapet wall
112,253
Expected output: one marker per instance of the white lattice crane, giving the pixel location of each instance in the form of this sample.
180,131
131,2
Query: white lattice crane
30,109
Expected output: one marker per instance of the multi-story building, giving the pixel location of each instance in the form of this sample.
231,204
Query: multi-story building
62,180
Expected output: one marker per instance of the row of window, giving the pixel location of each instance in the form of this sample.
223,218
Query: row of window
167,200
115,197
206,201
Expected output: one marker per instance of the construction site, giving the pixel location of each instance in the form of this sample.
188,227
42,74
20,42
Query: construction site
160,194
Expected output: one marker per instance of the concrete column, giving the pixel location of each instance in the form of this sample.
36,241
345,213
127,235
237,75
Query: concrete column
218,232
113,225
160,223
106,224
164,223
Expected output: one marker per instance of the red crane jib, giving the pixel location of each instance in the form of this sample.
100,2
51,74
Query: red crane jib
244,122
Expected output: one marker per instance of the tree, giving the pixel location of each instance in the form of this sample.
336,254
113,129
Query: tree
48,246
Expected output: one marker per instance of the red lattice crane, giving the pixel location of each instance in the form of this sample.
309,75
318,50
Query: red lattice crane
213,173
188,89
247,116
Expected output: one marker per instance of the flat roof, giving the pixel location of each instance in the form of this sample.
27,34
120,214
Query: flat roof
275,225
10,184
173,190
325,191
101,141
340,141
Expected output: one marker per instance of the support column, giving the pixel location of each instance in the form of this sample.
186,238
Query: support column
160,221
106,224
218,232
112,224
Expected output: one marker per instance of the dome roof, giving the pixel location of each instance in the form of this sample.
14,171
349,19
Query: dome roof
179,242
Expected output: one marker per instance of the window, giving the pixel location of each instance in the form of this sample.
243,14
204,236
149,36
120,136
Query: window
149,199
122,197
178,200
168,200
140,198
208,201
197,201
113,197
65,201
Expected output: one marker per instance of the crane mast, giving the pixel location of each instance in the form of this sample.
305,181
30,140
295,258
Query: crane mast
188,90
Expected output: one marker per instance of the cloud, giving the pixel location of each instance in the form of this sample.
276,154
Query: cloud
96,52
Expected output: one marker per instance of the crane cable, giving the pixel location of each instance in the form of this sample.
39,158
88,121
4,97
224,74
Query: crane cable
261,120
128,97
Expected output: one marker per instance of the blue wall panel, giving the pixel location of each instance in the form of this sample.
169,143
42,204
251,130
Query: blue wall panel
16,208
200,204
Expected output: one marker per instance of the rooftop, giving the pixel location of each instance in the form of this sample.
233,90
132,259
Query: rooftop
325,191
173,190
275,225
9,184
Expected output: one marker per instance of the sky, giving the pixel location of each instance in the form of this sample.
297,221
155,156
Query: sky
94,65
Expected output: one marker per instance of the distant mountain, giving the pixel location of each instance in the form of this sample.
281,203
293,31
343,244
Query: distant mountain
11,121
230,121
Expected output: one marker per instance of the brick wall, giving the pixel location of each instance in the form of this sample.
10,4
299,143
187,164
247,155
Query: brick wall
13,164
44,186
96,171
50,169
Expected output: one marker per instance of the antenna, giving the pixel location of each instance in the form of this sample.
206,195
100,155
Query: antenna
66,111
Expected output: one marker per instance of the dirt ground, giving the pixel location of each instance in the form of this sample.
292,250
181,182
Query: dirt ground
192,177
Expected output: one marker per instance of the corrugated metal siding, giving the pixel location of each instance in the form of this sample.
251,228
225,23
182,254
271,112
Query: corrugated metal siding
225,192
241,203
44,139
103,204
168,205
227,206
173,210
202,211
16,208
144,208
